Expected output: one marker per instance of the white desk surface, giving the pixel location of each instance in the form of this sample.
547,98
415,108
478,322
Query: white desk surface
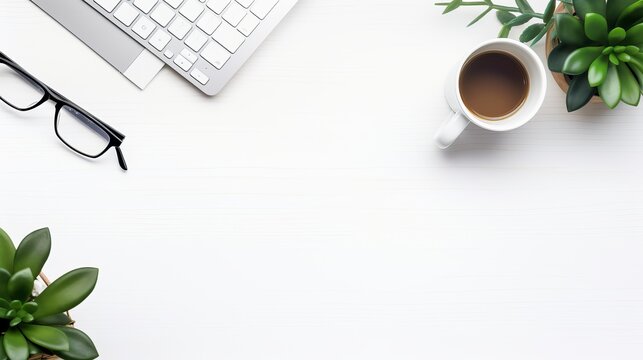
305,213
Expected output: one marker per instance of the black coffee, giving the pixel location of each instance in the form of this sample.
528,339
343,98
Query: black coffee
493,85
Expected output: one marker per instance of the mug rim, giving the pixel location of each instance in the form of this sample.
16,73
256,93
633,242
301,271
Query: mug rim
489,124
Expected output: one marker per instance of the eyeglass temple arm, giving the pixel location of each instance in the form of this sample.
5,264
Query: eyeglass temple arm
121,158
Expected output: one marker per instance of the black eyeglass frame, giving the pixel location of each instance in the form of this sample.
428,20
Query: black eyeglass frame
115,137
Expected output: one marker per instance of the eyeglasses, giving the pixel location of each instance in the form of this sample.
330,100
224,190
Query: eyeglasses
78,129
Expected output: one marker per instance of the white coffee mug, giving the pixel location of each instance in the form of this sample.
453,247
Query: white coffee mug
453,127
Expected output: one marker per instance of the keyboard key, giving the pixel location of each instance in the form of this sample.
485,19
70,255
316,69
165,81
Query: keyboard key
199,76
109,5
180,27
168,54
229,37
248,24
174,3
261,8
218,5
160,39
145,5
234,13
126,14
196,40
215,54
208,22
189,56
191,10
143,27
245,3
182,62
163,14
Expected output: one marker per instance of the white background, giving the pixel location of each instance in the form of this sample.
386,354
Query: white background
304,213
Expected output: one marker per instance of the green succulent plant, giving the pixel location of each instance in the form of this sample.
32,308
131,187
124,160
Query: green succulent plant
37,323
601,51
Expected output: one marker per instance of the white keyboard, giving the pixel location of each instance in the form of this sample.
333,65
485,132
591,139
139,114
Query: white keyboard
206,41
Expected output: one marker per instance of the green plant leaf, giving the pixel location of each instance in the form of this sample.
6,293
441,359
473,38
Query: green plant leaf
66,292
557,57
584,7
630,89
531,32
639,75
519,20
7,251
3,354
5,275
549,11
596,27
623,57
570,30
35,349
504,31
579,93
30,307
631,15
598,71
33,251
20,285
632,50
615,8
15,345
613,59
504,16
452,6
542,33
81,346
48,337
524,6
610,89
56,319
634,35
579,61
480,16
616,35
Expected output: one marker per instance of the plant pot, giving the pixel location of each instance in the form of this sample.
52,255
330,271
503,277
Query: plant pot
45,280
550,43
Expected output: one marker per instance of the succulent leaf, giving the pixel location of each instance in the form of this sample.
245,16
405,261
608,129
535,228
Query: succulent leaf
56,319
610,89
613,59
632,50
614,9
570,30
524,6
631,15
7,251
616,35
519,20
584,7
66,292
15,345
579,93
30,307
579,60
598,71
557,57
596,27
48,337
452,6
623,57
20,286
630,89
634,35
81,346
639,75
4,280
33,251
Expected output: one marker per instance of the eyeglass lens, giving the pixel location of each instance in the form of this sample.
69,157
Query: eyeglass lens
81,133
18,90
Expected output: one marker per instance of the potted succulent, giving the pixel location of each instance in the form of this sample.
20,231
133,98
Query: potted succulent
34,323
596,49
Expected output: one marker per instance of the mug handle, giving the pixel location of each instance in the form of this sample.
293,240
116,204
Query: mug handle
450,130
